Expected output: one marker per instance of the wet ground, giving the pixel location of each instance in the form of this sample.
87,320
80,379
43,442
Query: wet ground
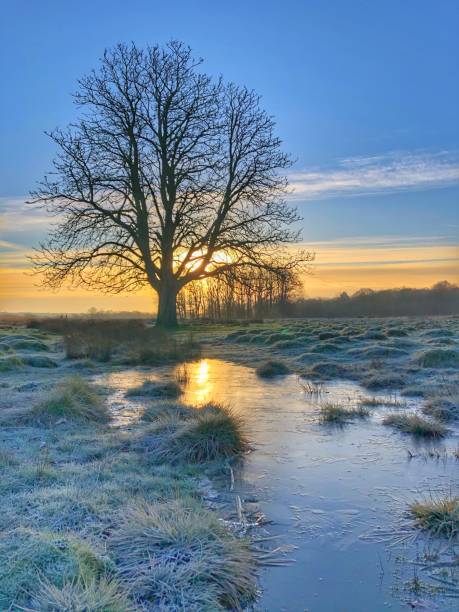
338,494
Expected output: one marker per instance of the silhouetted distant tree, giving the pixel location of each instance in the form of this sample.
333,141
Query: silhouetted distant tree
168,178
241,294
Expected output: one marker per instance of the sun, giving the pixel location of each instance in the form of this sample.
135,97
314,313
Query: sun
218,258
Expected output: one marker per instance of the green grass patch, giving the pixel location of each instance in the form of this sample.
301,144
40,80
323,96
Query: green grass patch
26,556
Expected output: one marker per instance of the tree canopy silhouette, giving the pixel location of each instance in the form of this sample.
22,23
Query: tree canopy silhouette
169,177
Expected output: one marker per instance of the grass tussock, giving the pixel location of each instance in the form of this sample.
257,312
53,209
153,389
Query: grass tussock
177,555
328,369
334,413
73,399
210,433
39,361
415,425
11,363
442,408
383,380
377,352
326,335
272,368
25,344
214,433
438,515
438,333
396,332
156,389
438,358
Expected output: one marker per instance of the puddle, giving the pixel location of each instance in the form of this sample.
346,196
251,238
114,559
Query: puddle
126,409
337,494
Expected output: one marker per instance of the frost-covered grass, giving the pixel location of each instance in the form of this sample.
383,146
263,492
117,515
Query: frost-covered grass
438,358
75,491
57,557
209,433
104,595
443,406
176,555
72,399
11,363
413,355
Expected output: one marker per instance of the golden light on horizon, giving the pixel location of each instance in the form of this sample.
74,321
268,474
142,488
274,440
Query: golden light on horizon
337,268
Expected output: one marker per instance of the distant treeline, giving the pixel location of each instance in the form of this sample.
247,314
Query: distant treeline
273,297
441,299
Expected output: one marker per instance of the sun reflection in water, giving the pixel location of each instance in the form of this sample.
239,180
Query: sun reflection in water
202,376
199,388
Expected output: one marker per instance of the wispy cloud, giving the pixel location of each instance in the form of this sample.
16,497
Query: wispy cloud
380,241
18,214
395,171
6,246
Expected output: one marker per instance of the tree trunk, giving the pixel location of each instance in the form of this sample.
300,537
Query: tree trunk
167,306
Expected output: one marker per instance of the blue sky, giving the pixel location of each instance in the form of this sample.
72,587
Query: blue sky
365,94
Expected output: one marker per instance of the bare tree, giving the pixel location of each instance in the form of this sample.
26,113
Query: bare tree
169,177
